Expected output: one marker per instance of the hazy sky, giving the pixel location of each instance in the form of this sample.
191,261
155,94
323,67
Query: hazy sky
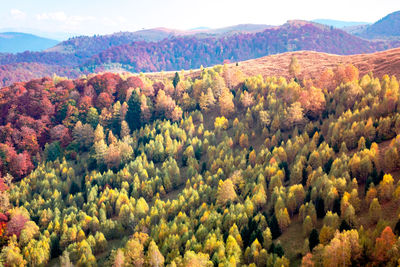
107,16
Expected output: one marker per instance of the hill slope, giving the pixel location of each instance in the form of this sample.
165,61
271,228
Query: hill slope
386,28
379,63
15,42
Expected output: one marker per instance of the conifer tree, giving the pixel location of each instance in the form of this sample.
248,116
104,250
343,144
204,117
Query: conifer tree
134,112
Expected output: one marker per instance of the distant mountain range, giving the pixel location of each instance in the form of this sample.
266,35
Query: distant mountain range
88,46
339,24
167,49
16,42
190,52
386,28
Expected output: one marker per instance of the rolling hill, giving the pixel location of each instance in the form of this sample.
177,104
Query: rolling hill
312,63
16,42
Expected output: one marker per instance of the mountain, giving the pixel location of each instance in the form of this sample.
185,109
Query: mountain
339,23
191,52
176,50
16,42
59,36
88,46
386,28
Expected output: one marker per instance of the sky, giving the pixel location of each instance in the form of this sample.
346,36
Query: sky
88,17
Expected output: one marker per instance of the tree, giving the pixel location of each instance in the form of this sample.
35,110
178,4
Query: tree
375,210
134,112
326,234
226,192
18,220
154,256
11,254
176,79
294,67
64,260
207,101
313,102
83,135
221,123
383,245
386,187
226,103
306,261
243,140
29,232
313,239
307,226
119,259
274,226
283,218
134,253
233,249
247,99
295,115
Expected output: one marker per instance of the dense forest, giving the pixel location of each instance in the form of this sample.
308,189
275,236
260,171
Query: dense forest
83,55
215,170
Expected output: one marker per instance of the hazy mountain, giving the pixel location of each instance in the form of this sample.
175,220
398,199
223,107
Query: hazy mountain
59,36
15,42
386,28
339,23
91,45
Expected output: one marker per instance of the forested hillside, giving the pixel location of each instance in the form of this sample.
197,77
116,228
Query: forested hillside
192,52
219,170
386,28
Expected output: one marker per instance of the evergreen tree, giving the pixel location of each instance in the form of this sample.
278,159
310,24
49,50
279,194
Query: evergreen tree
274,226
134,112
313,239
176,79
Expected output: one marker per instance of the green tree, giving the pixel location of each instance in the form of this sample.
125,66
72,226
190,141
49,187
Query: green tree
176,79
134,112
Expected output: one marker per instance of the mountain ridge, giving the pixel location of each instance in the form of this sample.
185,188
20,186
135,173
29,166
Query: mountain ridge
16,42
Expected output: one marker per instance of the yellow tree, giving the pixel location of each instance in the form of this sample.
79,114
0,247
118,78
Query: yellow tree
226,103
154,256
226,192
294,67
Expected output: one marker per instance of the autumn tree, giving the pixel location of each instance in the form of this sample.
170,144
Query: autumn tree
313,102
154,256
294,67
226,103
383,245
226,192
